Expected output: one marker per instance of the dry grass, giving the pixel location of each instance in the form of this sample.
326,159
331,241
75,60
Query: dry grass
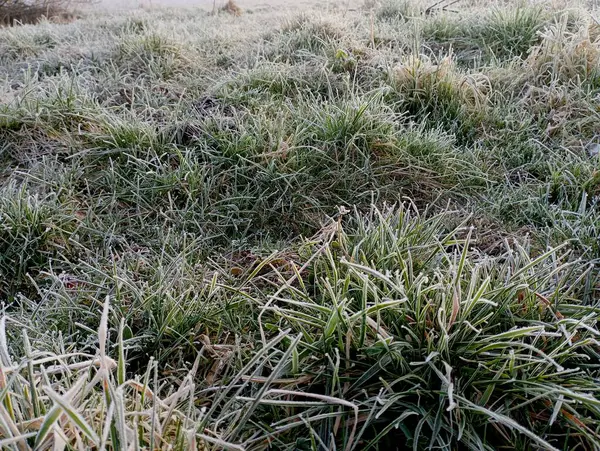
13,12
568,53
421,77
231,8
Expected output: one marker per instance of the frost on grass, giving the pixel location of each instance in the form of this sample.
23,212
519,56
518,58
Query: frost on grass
323,229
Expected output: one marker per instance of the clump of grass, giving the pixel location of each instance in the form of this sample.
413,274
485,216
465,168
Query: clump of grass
303,37
276,82
85,399
511,33
422,75
577,225
151,55
394,10
440,93
500,35
565,55
20,43
383,306
33,230
436,162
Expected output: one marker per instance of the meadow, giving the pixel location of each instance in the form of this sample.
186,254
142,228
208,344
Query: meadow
344,226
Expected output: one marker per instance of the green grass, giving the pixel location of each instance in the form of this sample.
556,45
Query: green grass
501,34
371,228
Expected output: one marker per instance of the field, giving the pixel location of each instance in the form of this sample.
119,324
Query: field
349,226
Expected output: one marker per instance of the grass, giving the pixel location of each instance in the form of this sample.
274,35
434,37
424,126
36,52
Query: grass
281,229
502,33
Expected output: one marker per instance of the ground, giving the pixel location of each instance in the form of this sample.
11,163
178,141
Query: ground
321,225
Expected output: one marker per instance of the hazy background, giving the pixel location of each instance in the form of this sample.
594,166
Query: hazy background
202,3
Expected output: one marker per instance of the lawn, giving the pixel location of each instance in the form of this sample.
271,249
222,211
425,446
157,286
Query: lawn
350,226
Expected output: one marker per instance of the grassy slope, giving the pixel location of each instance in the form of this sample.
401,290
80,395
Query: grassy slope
343,229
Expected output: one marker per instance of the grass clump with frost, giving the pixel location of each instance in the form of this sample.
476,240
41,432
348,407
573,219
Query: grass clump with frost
385,327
